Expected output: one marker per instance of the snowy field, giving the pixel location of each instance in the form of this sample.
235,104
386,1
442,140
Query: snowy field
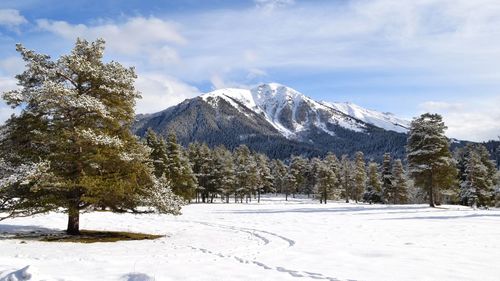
298,240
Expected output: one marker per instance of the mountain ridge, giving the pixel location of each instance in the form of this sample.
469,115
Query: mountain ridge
273,117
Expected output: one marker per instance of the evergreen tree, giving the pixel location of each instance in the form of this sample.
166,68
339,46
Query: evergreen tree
359,176
387,178
200,157
76,114
333,163
346,176
429,159
327,180
280,173
265,179
373,193
399,183
298,167
223,174
179,172
479,179
246,172
158,153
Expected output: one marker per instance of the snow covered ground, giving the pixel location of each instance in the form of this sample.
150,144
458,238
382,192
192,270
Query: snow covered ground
298,240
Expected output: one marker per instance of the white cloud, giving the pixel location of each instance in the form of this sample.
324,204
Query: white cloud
477,120
151,37
6,84
11,18
11,66
161,91
272,4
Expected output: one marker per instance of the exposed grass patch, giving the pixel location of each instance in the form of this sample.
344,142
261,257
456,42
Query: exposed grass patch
87,236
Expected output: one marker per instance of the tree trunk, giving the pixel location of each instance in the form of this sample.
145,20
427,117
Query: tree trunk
431,193
258,196
73,221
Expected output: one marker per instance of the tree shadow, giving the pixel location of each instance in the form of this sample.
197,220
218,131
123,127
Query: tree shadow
358,210
445,217
136,277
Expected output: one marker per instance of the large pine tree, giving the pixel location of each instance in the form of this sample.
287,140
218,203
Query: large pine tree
75,116
429,159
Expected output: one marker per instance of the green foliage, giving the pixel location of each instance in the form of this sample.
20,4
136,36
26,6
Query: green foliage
359,180
373,193
399,183
429,159
75,115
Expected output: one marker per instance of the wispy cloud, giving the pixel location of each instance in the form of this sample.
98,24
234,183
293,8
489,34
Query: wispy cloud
11,18
476,121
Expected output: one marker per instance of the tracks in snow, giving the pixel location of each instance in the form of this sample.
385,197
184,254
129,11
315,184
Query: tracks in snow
293,273
268,238
259,234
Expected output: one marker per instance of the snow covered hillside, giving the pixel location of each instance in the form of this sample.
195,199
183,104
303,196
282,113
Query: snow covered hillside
298,240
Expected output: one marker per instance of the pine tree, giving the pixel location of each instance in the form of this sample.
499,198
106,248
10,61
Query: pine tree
359,176
223,175
298,167
327,180
179,172
346,176
247,175
265,179
333,163
399,183
279,172
158,153
373,192
201,161
76,114
479,179
429,159
387,178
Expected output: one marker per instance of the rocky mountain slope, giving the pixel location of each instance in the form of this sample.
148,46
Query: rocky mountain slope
279,121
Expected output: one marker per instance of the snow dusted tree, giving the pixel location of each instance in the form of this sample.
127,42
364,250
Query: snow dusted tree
479,179
333,163
399,183
158,153
179,172
76,114
223,175
359,176
387,178
346,176
247,176
327,180
279,173
298,167
265,179
429,159
373,193
200,157
311,175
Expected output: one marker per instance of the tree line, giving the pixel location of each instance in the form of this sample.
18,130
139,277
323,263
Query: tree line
432,172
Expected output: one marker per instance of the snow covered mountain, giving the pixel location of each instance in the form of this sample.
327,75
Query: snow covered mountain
384,120
278,120
291,112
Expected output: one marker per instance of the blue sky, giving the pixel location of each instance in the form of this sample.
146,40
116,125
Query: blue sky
405,57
